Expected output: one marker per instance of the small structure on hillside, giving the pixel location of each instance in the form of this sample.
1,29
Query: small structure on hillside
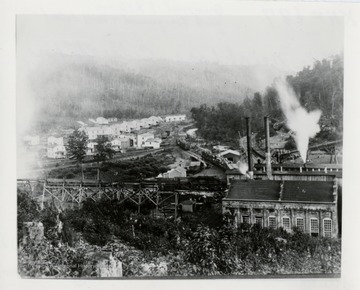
153,143
231,155
175,118
176,172
142,138
220,148
55,151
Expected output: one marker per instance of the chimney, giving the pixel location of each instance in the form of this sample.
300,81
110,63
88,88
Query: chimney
267,145
281,192
249,147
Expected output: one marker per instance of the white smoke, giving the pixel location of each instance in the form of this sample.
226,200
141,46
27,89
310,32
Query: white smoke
303,123
243,168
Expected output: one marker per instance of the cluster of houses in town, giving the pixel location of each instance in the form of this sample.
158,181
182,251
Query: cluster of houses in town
122,135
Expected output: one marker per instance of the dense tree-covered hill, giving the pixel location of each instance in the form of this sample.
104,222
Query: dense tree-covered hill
68,88
317,87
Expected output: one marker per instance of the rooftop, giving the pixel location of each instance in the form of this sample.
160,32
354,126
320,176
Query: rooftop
235,171
229,152
293,191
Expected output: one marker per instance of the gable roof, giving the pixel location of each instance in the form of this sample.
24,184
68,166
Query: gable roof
146,134
229,152
293,191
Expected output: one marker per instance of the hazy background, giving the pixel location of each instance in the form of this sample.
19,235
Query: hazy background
76,67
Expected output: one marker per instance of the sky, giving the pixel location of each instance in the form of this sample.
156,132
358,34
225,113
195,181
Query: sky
288,42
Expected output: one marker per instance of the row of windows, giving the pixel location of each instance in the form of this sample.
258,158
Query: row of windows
299,223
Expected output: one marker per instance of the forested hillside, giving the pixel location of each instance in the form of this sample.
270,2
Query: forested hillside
319,87
68,88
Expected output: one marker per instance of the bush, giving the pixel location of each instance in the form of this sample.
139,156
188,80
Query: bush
204,243
27,211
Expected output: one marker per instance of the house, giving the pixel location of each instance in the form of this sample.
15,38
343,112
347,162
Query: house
175,118
116,144
175,172
55,141
94,132
192,164
152,143
230,155
121,128
310,206
141,138
102,121
155,120
145,123
91,148
133,125
191,133
112,120
220,148
126,142
56,151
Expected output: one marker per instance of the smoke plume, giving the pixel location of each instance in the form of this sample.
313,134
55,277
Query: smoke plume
303,123
243,168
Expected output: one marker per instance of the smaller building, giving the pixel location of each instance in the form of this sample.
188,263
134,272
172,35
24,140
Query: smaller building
55,151
102,121
96,131
116,144
133,125
91,148
220,148
176,172
55,140
126,142
175,118
152,143
145,123
141,139
112,120
155,120
230,155
121,128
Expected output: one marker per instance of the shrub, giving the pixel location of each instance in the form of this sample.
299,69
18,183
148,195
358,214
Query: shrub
27,211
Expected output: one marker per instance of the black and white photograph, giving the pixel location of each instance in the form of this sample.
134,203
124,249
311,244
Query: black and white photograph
180,146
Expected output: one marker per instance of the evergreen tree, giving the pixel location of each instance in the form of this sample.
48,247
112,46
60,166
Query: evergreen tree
77,146
103,151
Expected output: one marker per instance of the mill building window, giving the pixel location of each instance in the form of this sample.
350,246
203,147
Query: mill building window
314,227
300,224
245,219
259,220
286,223
272,222
327,227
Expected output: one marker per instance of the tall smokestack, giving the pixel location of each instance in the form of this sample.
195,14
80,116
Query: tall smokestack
249,147
267,145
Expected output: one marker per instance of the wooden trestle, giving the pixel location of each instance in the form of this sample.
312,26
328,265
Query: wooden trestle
61,192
